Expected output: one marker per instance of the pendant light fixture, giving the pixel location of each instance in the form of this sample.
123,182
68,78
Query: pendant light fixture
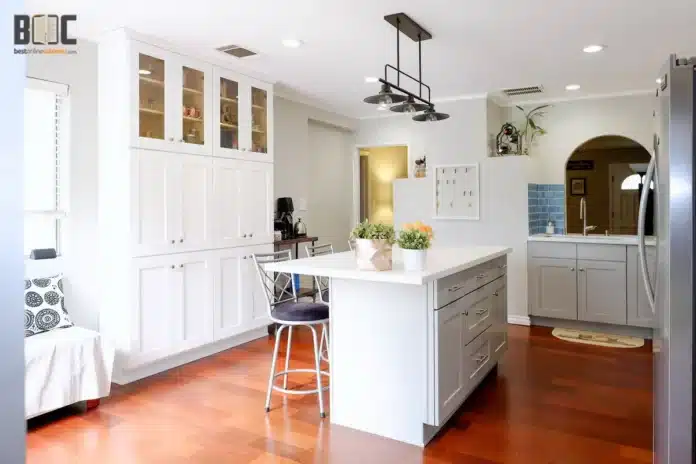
391,93
430,115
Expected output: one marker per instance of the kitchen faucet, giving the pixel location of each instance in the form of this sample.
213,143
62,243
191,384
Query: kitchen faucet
583,216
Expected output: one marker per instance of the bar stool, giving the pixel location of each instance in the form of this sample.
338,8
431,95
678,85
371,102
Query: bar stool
284,309
323,287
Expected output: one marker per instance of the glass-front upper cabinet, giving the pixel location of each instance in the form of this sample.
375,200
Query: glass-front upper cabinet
194,103
174,101
242,117
152,104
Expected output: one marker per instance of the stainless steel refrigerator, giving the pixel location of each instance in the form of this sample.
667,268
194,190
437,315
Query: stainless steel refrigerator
672,295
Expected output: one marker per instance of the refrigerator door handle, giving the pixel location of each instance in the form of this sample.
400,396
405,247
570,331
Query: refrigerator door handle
641,234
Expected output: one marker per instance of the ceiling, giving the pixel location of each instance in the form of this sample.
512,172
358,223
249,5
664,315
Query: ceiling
477,47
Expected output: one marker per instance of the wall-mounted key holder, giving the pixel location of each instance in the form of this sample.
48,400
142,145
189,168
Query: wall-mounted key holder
456,191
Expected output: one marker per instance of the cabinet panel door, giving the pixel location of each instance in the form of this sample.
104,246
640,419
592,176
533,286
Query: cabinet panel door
152,86
154,203
230,295
602,291
194,293
449,359
154,325
639,312
196,197
192,102
227,87
225,197
553,288
255,202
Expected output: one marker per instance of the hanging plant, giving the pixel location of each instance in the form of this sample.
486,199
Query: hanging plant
532,129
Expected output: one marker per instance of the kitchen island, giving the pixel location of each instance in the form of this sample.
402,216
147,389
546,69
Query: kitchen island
407,348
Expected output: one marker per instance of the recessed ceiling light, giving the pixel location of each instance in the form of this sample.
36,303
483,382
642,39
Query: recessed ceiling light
292,43
593,48
572,87
371,79
144,72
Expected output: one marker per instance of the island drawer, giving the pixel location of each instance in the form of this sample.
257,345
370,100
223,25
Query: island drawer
478,308
478,359
450,288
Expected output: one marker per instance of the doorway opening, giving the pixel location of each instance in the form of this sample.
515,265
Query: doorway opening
608,172
378,168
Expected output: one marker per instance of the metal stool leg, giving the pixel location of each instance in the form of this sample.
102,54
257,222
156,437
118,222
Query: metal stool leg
287,357
317,362
278,334
325,331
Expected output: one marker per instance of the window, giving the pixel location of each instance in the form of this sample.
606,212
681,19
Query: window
45,167
633,181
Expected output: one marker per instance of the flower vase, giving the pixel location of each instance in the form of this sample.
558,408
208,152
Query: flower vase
373,255
414,260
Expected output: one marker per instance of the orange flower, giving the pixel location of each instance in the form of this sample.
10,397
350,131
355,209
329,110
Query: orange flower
418,225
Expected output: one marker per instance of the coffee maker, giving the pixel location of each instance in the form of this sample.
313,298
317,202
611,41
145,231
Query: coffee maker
283,221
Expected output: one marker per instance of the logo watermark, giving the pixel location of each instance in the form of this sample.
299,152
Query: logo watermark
44,34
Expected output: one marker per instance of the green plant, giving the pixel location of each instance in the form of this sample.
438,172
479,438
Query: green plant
365,230
531,126
413,239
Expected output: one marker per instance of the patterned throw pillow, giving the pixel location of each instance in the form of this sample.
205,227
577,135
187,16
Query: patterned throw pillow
44,306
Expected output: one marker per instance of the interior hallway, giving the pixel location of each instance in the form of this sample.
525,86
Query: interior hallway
552,402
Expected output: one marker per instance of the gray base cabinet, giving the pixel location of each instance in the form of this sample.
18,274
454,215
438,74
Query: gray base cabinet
589,282
602,291
553,288
639,312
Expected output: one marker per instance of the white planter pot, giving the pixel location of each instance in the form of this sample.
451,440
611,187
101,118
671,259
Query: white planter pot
373,255
414,260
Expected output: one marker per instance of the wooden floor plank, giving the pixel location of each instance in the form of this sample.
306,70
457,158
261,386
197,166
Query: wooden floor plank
550,402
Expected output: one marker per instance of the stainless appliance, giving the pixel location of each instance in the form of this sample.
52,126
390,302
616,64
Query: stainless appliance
672,298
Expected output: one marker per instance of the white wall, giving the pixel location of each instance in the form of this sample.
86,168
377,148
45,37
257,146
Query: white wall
463,139
80,238
301,167
569,124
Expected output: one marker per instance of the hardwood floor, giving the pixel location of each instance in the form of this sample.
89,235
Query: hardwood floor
551,402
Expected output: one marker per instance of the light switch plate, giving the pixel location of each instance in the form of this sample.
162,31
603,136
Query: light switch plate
302,204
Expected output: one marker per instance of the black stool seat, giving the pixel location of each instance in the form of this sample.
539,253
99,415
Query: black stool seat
300,312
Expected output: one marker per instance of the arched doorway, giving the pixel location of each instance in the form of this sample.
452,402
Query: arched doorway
607,171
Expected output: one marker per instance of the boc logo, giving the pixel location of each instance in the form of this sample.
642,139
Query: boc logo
49,29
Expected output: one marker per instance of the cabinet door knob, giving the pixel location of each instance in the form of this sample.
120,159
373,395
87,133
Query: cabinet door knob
244,235
171,139
180,266
181,140
244,257
173,266
173,242
572,269
181,240
581,270
495,294
251,235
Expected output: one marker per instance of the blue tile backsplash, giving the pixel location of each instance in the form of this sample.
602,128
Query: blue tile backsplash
546,203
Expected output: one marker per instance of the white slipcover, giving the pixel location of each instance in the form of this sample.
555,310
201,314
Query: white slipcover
65,366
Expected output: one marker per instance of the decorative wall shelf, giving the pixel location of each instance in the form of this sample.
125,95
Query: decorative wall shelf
456,191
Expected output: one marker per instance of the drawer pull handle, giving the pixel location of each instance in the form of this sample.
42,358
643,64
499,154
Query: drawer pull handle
495,294
481,311
481,358
454,288
502,266
481,276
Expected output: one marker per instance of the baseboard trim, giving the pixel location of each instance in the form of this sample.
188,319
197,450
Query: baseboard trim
123,377
626,330
519,320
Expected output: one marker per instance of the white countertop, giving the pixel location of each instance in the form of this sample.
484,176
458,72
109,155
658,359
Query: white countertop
441,263
592,238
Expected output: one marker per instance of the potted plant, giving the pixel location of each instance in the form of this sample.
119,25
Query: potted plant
373,246
414,241
531,125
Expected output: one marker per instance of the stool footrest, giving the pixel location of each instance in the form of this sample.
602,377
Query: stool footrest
299,392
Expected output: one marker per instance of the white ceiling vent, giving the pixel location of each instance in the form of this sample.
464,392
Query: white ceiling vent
523,91
236,51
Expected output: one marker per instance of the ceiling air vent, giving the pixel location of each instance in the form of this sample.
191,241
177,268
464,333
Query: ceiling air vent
523,91
236,51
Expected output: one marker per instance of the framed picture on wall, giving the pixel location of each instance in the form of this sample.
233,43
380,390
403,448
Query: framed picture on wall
577,186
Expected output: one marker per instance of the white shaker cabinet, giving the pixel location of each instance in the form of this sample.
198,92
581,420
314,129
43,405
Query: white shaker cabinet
243,193
240,302
171,199
172,306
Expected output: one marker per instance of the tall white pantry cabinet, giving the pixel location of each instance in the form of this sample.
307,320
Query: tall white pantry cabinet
185,199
